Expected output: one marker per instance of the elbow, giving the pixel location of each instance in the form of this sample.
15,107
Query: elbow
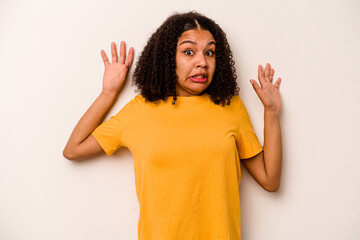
68,155
272,187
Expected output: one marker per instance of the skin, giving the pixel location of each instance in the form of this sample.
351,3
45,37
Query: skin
195,54
264,167
82,144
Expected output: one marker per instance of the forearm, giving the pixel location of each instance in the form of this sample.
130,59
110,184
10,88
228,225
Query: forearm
272,148
92,118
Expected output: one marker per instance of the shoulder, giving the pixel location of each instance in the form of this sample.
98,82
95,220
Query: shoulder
236,100
237,107
140,103
139,99
128,108
235,104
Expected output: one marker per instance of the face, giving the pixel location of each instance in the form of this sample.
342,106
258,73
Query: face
195,62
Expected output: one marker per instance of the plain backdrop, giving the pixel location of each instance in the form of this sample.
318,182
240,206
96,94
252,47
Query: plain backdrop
51,71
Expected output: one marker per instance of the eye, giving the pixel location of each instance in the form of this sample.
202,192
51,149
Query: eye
210,53
188,52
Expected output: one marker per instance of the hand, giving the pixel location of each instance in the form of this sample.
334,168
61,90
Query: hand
116,72
268,93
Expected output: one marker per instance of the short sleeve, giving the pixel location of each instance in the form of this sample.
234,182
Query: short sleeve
247,143
110,134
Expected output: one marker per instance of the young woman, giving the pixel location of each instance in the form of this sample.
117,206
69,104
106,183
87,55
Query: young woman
187,130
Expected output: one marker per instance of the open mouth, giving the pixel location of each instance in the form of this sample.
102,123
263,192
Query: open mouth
199,78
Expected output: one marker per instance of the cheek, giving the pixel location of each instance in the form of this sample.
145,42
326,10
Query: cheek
182,68
179,72
178,68
212,69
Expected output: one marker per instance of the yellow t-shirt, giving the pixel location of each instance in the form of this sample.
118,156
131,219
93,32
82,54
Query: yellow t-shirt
187,166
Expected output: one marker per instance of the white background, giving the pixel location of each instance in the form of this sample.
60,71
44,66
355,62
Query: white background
51,71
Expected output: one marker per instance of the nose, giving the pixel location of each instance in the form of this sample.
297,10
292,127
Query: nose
201,61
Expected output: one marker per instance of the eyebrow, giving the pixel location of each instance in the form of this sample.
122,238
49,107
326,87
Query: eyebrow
194,43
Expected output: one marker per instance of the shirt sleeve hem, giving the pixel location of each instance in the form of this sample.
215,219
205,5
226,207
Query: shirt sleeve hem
253,153
107,150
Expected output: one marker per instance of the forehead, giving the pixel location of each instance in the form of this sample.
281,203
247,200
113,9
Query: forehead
196,36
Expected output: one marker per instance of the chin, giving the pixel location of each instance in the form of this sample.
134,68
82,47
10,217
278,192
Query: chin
197,91
191,89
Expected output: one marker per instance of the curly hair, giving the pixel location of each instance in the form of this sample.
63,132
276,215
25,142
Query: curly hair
155,75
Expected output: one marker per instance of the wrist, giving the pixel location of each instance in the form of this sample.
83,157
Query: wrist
273,113
109,93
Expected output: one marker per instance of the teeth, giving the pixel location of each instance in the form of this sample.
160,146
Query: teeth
198,76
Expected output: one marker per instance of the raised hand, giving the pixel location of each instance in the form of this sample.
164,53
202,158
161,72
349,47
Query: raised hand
116,71
268,92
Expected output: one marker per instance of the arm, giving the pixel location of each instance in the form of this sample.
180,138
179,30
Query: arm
266,166
81,143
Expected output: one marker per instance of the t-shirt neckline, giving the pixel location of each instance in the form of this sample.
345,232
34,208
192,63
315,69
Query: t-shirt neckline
197,98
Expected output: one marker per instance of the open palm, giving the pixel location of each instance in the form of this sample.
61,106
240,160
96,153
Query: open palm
268,92
116,71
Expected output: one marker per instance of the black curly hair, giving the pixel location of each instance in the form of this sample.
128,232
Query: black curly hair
155,75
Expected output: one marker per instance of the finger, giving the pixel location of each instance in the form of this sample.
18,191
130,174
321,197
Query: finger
113,52
277,83
267,71
104,57
256,87
261,75
130,57
122,52
272,72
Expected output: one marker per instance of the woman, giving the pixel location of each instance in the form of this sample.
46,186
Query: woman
187,130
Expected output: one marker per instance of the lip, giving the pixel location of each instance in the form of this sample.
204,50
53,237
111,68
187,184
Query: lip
199,80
